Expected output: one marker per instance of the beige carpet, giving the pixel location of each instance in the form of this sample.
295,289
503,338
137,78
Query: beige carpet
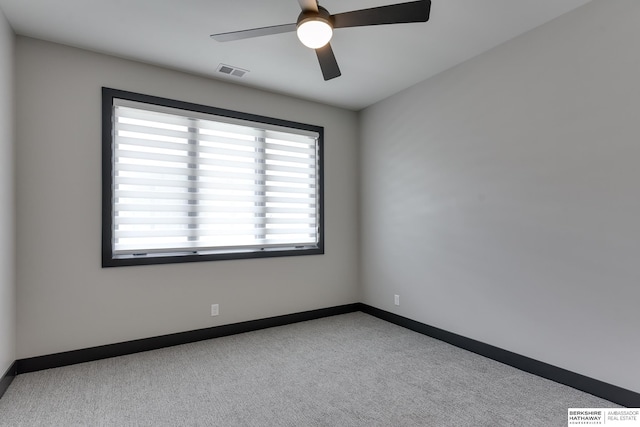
347,370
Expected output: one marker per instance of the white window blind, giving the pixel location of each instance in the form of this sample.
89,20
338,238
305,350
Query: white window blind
186,182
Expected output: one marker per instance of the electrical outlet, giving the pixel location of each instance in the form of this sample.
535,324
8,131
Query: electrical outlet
215,309
396,299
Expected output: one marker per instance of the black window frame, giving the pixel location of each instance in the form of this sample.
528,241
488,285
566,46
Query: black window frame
108,258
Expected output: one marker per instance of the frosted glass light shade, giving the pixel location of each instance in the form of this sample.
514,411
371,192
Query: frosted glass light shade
314,33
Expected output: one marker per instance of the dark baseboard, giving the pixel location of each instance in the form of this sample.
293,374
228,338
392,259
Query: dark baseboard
8,376
129,347
580,382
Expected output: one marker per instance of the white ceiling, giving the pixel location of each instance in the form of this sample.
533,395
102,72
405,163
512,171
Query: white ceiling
375,61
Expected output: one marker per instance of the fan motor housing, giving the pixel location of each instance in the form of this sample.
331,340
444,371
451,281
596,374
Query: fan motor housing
308,15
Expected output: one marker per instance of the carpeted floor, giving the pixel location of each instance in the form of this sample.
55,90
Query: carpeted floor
348,370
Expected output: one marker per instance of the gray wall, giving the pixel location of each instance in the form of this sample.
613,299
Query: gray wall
65,301
7,278
501,199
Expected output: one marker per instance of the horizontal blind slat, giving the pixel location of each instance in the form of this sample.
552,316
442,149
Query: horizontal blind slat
123,155
251,176
205,247
163,195
253,232
193,209
288,222
233,185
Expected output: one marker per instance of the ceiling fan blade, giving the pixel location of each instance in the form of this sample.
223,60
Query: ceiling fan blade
308,5
328,63
254,32
402,13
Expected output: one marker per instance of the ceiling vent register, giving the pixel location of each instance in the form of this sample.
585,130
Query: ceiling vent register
231,70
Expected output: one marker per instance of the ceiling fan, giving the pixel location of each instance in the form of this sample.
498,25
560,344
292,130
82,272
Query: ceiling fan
315,27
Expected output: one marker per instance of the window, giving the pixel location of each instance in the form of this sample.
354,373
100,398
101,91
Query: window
185,182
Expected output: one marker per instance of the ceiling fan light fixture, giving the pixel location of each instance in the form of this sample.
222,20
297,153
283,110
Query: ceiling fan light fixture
314,32
315,26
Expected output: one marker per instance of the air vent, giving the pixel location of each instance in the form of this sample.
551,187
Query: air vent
231,71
